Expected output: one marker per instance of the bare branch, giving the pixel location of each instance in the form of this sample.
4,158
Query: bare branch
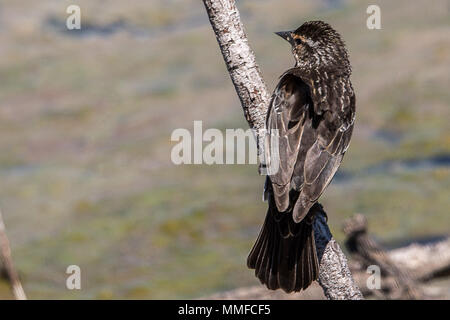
334,276
240,60
5,255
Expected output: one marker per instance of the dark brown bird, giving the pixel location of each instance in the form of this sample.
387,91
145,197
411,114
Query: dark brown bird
312,112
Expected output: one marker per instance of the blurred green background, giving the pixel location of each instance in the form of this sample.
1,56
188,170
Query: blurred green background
86,119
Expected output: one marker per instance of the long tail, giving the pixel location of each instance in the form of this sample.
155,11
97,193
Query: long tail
284,255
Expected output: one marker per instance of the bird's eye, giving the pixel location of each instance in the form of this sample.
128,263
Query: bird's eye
298,42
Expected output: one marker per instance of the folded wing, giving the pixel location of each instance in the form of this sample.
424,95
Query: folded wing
309,146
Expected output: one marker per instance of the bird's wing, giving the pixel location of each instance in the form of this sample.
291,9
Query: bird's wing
310,146
286,134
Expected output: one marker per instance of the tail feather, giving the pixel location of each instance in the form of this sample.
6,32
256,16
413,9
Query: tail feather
284,255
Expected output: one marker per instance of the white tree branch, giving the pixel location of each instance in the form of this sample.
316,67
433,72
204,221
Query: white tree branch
334,275
6,258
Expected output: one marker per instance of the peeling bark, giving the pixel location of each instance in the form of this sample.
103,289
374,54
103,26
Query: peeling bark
334,275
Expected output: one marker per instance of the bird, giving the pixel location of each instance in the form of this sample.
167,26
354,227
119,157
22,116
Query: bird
311,114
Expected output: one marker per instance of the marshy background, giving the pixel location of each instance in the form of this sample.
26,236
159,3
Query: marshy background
86,118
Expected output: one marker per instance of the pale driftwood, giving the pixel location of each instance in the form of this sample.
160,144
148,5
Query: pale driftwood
424,262
367,252
6,258
401,269
421,262
418,260
334,275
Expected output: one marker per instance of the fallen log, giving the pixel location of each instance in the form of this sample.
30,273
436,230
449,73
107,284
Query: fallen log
424,262
420,262
393,282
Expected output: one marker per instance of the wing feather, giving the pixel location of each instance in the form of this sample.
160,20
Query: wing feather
310,144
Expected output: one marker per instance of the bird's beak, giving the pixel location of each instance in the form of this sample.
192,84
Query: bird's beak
286,35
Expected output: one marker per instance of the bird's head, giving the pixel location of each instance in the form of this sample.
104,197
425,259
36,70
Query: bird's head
316,45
